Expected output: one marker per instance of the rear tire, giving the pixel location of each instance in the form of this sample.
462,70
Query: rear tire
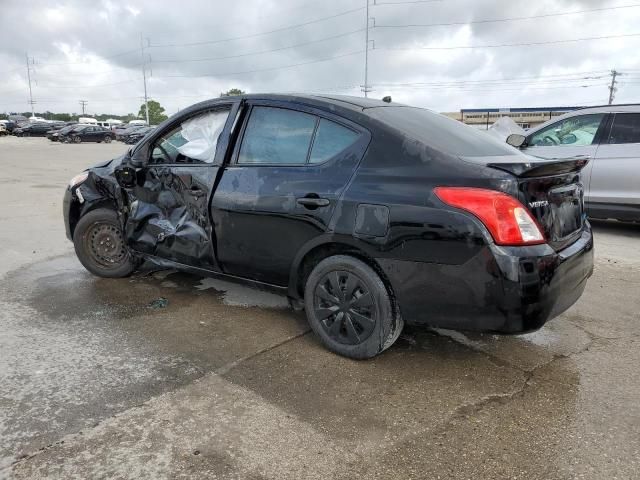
349,308
107,139
100,245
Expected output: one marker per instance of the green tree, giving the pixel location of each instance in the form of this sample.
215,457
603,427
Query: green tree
232,92
156,112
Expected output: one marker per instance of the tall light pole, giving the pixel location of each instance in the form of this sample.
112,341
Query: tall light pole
31,102
365,88
612,87
144,78
84,104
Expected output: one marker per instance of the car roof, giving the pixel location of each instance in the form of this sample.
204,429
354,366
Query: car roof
344,101
621,108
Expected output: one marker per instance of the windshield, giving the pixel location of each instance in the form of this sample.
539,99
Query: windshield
440,132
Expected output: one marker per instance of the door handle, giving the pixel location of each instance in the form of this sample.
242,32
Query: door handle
313,202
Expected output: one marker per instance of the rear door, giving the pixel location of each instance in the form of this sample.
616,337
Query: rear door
615,179
169,214
289,168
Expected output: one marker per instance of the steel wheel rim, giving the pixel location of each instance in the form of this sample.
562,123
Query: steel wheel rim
105,245
345,307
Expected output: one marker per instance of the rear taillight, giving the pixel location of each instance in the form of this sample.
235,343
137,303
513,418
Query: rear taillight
505,217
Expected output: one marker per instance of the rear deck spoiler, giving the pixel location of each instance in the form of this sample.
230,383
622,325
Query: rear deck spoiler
543,168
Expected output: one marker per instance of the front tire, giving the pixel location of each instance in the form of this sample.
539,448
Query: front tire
107,139
100,245
349,308
77,139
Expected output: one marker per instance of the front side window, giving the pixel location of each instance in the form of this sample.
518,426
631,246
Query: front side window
573,131
626,128
194,141
277,136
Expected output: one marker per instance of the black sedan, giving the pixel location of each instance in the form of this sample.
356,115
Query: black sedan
123,133
87,133
137,135
36,129
368,213
55,134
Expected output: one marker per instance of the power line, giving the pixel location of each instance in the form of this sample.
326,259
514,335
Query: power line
529,44
108,57
512,80
263,69
375,4
260,52
89,86
259,34
510,19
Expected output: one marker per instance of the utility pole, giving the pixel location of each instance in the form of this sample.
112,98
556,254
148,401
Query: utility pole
31,102
612,88
144,78
365,88
84,104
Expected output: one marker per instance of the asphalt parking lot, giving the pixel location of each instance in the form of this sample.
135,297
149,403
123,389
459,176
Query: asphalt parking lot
100,379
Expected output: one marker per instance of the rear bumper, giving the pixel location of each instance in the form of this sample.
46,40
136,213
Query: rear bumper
501,289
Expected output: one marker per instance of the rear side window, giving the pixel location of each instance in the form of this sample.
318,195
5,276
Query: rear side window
625,128
440,132
330,140
277,136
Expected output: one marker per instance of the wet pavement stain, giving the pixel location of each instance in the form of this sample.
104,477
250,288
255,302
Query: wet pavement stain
77,349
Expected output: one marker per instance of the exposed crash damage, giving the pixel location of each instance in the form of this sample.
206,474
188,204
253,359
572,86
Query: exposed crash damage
348,206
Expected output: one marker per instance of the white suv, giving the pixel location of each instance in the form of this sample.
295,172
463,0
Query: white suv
610,136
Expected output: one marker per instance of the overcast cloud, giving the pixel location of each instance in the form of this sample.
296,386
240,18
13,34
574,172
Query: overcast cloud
91,50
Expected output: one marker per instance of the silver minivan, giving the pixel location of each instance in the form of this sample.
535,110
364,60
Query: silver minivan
610,136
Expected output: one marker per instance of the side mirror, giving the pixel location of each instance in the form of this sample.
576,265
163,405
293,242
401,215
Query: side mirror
516,140
139,158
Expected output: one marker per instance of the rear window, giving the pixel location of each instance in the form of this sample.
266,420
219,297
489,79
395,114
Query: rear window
440,132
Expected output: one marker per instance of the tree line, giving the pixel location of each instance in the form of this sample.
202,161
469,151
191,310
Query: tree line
156,112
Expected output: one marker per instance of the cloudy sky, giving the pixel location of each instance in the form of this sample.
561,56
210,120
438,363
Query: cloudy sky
525,53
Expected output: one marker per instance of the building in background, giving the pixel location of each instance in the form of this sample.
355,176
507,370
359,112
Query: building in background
483,118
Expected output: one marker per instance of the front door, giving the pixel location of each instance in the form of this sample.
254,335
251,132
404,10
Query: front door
289,168
169,215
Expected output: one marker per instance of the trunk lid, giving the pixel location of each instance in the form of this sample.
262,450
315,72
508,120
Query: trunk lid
552,192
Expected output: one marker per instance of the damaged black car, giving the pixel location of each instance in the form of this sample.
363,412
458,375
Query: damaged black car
370,214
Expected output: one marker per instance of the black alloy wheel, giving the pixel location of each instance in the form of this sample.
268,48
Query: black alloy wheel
344,305
350,308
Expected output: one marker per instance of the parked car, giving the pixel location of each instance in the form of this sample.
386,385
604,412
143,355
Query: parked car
121,134
371,214
610,136
3,129
87,133
137,135
35,129
55,134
